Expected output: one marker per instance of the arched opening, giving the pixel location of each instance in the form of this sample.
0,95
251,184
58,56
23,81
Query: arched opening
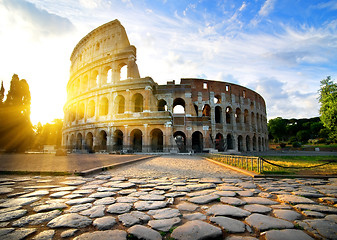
94,79
123,73
103,140
180,139
219,142
136,140
89,142
109,76
248,143
162,105
72,142
196,110
91,109
197,141
120,104
237,115
179,105
79,141
228,115
245,116
118,140
252,119
206,111
157,140
217,99
137,100
254,143
218,114
84,83
103,107
230,144
81,111
240,143
259,144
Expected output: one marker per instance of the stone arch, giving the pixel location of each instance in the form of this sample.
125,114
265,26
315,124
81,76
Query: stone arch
72,141
103,106
240,143
217,99
162,105
102,140
123,71
137,101
94,80
180,139
91,109
179,105
245,116
197,141
254,143
238,115
136,137
228,115
120,104
218,114
230,142
79,141
118,140
89,142
252,119
206,111
196,110
156,140
219,142
248,143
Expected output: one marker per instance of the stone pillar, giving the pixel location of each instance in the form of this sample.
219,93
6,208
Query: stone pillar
147,96
146,139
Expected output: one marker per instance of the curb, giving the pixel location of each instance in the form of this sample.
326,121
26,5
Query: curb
104,168
256,175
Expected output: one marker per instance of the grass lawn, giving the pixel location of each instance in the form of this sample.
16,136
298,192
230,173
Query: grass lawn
302,165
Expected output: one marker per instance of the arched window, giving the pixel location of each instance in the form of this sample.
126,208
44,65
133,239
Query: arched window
81,111
196,110
94,79
123,73
179,105
104,107
137,100
180,139
219,142
118,140
136,140
230,144
120,104
217,99
228,115
162,105
102,140
218,114
240,143
197,141
238,115
206,111
79,142
91,109
89,142
157,140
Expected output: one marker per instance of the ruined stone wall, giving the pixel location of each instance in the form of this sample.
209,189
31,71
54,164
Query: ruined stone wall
105,112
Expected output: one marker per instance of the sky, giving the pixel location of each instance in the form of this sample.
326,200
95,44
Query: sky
281,49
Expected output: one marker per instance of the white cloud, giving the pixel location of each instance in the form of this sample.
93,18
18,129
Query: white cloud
267,7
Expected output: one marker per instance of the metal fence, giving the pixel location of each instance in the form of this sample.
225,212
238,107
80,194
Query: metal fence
254,164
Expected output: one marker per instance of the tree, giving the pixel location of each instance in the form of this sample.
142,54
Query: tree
16,129
328,109
48,134
277,128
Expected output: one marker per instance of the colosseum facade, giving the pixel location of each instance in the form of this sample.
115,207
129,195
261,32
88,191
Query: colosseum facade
108,112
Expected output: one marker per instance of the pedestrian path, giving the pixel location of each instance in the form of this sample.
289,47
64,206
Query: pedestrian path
167,205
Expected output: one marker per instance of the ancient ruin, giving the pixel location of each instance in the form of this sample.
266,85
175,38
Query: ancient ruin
106,113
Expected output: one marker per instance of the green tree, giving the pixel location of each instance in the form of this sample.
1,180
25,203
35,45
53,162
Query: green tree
328,109
48,134
277,128
16,129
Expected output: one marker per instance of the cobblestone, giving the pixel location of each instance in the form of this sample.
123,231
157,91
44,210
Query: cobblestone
181,197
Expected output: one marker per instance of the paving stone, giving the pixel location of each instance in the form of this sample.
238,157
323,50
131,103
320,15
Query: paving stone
127,191
196,230
317,208
19,233
313,214
60,189
7,216
79,208
68,233
59,194
228,188
102,194
104,223
105,201
308,194
38,193
123,185
9,209
201,193
265,195
4,231
226,210
134,217
240,238
18,202
248,185
164,224
103,235
263,222
94,212
203,199
201,186
80,201
126,199
331,217
258,200
71,220
50,206
145,233
225,193
257,208
164,213
329,200
286,214
5,190
229,224
233,201
195,216
289,234
35,219
74,182
326,228
175,194
293,199
245,193
185,206
281,206
83,191
119,208
45,235
210,180
149,205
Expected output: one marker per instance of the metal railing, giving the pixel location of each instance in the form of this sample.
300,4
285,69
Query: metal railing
254,164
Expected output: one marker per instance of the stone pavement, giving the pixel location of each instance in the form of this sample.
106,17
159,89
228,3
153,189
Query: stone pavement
130,203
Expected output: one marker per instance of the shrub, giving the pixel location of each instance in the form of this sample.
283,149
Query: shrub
296,144
283,145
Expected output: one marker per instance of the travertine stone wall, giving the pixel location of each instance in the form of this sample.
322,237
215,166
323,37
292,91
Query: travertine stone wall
106,113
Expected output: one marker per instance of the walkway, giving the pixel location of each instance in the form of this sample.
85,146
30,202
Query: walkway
179,197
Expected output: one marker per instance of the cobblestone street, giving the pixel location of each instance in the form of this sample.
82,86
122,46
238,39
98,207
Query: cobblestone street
168,197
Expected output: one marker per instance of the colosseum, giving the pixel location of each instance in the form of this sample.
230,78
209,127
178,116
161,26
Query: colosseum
108,112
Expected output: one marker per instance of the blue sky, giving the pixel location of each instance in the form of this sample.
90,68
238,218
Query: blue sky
281,49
